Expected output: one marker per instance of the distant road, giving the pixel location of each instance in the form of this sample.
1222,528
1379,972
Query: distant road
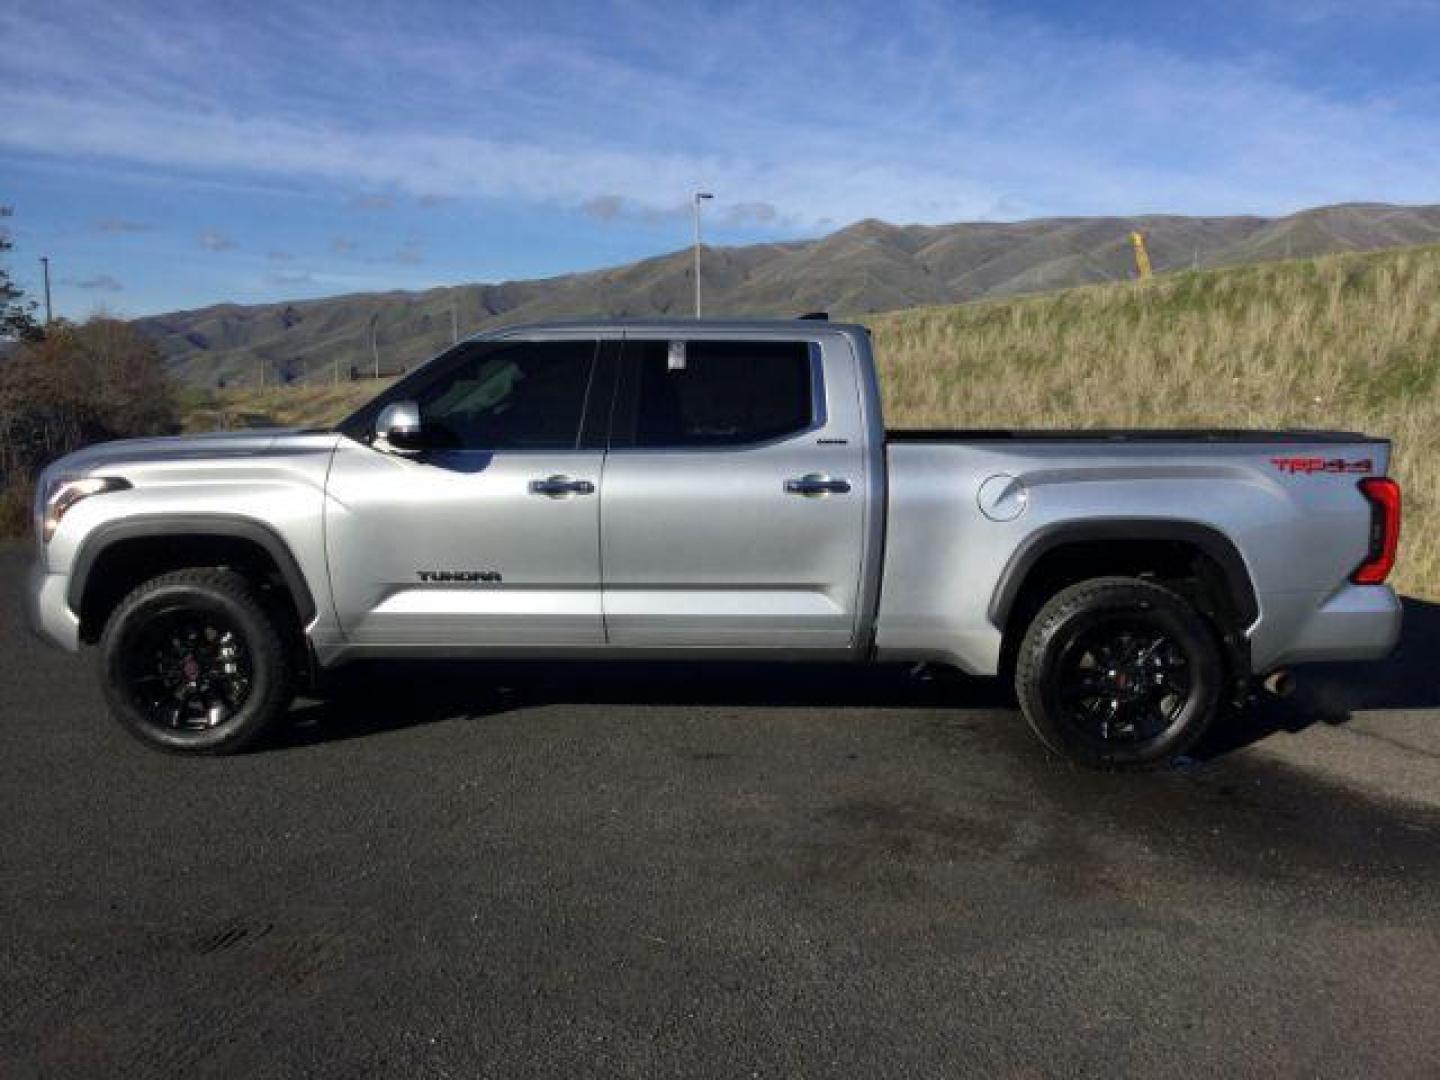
724,871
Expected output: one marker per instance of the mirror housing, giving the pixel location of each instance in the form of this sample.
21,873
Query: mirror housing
398,427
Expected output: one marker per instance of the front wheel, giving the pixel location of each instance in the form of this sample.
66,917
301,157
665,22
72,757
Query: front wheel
1120,673
193,662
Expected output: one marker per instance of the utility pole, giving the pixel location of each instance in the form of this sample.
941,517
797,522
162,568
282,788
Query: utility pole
45,266
374,346
699,197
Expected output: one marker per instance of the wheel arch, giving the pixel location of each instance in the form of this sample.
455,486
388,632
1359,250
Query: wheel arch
118,555
1062,554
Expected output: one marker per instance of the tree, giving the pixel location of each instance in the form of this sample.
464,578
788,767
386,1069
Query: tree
17,315
77,385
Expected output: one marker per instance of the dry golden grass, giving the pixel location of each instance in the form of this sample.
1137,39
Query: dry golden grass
286,406
1350,341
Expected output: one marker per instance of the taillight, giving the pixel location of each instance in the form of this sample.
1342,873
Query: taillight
1384,497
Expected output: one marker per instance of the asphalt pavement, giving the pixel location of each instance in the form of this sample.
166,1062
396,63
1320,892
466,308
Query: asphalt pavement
718,870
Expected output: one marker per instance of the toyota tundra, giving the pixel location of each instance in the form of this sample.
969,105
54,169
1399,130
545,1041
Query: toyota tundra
704,490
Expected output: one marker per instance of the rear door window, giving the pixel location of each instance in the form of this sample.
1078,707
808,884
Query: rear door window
714,393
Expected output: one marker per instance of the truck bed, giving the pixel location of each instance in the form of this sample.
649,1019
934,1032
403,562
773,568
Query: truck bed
1125,435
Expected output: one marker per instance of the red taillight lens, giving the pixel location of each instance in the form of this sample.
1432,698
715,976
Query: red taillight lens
1384,496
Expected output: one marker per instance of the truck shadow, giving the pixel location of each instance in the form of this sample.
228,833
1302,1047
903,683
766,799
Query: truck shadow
370,699
1333,693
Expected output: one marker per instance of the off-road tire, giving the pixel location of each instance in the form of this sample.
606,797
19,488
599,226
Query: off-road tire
209,595
1087,608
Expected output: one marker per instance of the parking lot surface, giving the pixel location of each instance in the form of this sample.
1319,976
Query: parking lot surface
651,870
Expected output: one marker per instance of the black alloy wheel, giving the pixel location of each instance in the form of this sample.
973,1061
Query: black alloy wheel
198,661
1120,673
189,670
1122,680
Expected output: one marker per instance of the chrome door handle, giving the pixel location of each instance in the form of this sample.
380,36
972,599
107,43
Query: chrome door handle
813,485
560,487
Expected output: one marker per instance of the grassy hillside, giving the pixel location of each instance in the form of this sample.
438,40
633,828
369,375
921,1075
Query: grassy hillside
866,267
1347,341
1342,341
285,406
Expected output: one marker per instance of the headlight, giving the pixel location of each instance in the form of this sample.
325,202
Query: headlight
63,492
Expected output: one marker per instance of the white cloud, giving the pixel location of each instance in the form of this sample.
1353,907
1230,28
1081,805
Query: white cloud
410,253
605,207
372,202
745,213
938,112
211,240
98,283
1321,11
120,226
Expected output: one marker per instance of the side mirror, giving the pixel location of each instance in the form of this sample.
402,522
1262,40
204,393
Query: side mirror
398,427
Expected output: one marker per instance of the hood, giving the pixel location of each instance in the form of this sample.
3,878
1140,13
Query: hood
220,444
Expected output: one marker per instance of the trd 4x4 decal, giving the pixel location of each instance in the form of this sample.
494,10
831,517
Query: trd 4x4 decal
1308,465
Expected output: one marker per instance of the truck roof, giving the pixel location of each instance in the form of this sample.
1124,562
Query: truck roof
787,327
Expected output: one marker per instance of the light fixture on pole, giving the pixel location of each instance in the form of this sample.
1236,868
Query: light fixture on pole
699,197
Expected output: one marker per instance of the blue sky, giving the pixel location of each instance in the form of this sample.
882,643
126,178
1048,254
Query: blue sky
172,155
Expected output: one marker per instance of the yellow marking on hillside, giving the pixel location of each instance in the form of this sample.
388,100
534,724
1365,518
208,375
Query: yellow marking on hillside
1142,255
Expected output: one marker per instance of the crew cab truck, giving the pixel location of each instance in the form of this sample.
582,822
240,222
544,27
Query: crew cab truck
712,490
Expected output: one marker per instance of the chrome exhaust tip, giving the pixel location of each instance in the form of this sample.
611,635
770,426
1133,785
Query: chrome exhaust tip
1280,684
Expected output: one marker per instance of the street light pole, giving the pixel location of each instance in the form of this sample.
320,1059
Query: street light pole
45,265
699,196
374,346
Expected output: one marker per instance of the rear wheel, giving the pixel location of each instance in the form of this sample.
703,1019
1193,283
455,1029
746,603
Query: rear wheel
1120,673
193,662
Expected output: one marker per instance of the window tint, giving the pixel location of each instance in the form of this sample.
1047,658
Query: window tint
520,395
721,393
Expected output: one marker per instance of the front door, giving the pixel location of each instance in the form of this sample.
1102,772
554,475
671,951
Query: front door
735,491
489,537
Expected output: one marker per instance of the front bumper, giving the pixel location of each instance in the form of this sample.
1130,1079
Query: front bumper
47,609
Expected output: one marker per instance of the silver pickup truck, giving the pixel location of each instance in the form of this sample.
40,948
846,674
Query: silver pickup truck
712,490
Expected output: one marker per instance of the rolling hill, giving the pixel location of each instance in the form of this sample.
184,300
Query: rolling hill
870,266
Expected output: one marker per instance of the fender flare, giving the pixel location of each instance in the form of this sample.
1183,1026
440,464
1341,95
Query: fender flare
161,526
1206,538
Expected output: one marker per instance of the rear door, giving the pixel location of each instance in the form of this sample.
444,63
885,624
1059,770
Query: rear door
734,505
491,537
